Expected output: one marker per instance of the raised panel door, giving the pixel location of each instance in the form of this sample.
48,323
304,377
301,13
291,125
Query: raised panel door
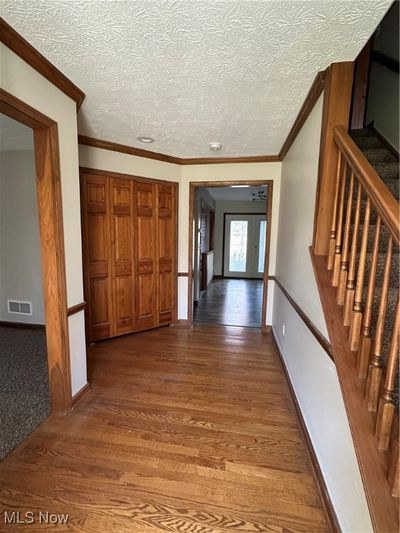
146,294
122,255
166,251
97,254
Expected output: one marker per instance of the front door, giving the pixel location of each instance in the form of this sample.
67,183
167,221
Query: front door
244,252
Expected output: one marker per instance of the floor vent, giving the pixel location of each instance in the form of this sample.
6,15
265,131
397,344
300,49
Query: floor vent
19,308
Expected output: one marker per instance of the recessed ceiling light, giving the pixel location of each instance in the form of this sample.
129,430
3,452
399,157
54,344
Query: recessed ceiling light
215,146
144,139
239,186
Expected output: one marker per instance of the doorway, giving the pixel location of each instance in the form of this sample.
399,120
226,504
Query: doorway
244,248
234,293
51,237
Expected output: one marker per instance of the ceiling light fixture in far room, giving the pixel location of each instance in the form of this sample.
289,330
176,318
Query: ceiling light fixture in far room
215,147
239,186
145,139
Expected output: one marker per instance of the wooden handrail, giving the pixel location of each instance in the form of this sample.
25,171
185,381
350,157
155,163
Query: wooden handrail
381,198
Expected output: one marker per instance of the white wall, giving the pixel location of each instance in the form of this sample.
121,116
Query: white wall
222,207
22,81
311,371
116,162
20,258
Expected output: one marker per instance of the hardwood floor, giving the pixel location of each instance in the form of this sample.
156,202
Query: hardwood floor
231,302
185,430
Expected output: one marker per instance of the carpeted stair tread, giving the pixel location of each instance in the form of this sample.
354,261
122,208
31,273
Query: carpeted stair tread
363,132
379,155
387,171
370,141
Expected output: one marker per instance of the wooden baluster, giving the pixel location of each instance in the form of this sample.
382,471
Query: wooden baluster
365,347
339,230
386,406
375,367
350,285
345,249
332,241
393,475
355,325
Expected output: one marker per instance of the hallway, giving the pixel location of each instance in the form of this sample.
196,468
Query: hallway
230,302
184,430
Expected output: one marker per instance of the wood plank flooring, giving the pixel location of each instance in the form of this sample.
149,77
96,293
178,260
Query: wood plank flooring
185,430
231,302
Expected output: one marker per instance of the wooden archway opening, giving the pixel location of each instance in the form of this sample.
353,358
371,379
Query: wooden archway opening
48,184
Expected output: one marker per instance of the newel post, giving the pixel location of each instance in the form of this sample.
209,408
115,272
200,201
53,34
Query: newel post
336,112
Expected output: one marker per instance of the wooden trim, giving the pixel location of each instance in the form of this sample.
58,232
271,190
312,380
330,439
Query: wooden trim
386,61
183,274
308,105
266,329
210,184
76,308
85,390
338,84
229,160
112,174
51,243
140,152
329,509
362,66
15,42
372,463
21,325
382,199
270,192
125,149
310,325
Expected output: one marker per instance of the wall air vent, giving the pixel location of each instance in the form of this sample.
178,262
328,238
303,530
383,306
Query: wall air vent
16,307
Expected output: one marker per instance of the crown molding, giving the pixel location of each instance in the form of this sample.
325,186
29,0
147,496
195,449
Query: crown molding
124,149
311,99
239,159
15,42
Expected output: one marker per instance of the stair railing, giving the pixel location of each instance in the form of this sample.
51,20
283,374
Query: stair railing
365,229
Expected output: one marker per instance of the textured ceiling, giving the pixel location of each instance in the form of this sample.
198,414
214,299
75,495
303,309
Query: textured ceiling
190,72
238,194
14,135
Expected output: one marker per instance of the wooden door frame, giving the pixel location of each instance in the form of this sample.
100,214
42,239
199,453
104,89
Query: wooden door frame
193,185
49,199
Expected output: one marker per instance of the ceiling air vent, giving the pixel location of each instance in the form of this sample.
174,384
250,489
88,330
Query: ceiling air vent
19,308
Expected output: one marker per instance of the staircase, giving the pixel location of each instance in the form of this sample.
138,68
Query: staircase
386,165
359,287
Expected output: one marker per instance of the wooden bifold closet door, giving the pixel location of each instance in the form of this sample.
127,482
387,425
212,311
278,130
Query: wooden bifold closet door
129,251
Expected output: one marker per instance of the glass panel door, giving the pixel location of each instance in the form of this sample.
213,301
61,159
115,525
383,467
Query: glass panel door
244,251
238,245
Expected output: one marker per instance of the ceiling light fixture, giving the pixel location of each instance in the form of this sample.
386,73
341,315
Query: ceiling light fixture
239,186
215,146
144,139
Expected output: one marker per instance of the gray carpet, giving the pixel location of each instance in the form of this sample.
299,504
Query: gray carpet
24,385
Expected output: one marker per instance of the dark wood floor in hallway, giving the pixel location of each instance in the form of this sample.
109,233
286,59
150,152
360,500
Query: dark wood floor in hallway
185,430
230,302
